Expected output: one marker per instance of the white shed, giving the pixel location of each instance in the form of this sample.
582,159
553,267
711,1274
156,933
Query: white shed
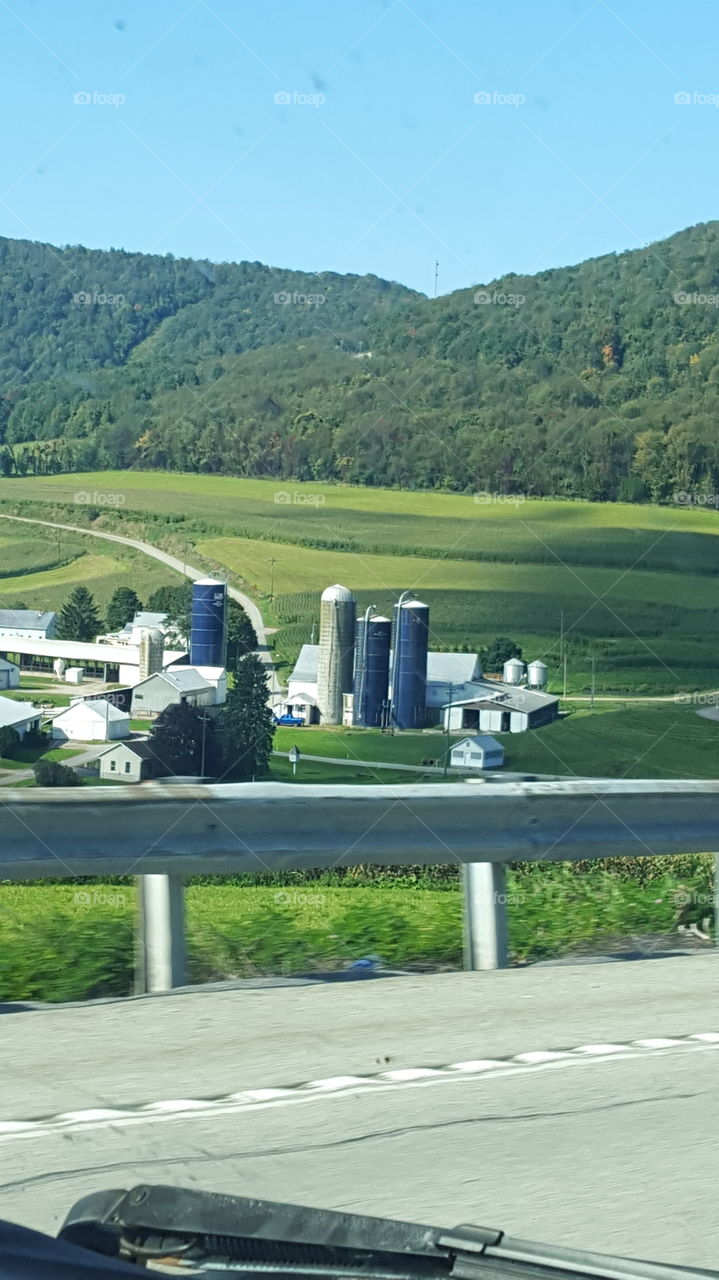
91,721
479,752
9,675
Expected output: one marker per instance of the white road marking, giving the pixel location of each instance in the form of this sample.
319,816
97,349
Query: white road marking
482,1069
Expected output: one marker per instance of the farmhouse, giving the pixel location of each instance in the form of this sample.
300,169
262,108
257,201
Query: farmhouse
130,761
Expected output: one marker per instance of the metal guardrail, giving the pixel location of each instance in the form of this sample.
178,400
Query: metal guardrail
163,833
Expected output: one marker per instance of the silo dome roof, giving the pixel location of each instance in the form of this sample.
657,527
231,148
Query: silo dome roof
337,592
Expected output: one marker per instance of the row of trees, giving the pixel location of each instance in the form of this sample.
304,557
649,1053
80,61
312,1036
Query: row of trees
80,618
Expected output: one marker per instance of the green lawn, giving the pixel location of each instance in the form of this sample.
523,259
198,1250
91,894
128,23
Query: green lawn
653,740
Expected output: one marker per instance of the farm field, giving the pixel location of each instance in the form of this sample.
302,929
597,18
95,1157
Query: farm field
38,569
637,584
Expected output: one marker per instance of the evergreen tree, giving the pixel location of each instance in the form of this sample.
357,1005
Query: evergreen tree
79,618
241,638
123,606
176,739
9,742
247,722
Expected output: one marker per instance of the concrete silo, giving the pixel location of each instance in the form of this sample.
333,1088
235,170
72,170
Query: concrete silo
152,650
513,671
208,643
409,664
371,677
335,659
537,674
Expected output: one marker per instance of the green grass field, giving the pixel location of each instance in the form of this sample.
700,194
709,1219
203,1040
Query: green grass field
637,584
655,740
39,570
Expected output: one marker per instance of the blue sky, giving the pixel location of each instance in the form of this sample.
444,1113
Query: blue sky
381,161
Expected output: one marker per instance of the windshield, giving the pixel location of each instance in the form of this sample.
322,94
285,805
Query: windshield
359,801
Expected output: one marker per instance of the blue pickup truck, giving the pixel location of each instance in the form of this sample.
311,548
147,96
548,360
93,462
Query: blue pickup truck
292,722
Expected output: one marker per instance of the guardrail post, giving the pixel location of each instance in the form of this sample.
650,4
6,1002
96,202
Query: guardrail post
161,955
486,941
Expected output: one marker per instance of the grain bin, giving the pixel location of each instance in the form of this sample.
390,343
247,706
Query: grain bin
537,674
513,671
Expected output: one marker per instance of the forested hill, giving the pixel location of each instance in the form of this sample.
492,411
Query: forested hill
600,380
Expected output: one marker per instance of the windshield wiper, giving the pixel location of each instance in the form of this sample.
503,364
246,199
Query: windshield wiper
202,1233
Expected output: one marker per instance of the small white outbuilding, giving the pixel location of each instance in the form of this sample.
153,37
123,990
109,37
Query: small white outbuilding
94,720
479,752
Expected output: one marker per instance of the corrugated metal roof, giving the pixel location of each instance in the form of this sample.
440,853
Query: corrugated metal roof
12,713
100,709
506,697
126,654
452,668
483,740
306,666
33,619
184,679
5,665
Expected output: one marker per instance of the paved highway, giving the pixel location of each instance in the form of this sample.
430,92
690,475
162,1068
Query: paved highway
319,1094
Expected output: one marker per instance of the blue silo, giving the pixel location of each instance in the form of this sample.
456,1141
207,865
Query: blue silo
208,632
409,664
371,677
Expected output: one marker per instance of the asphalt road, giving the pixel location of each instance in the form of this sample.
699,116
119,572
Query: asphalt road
610,1147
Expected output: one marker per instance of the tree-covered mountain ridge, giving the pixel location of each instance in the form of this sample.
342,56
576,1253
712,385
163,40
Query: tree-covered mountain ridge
599,380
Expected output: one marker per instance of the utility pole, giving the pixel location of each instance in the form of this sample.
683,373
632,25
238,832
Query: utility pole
564,695
205,718
594,673
446,730
561,637
436,277
272,579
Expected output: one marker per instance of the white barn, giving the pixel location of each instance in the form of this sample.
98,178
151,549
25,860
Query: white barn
9,674
95,720
20,716
478,752
26,624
